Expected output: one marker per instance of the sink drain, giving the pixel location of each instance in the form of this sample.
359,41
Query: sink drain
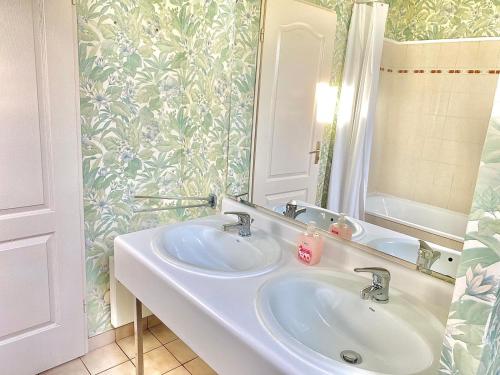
351,357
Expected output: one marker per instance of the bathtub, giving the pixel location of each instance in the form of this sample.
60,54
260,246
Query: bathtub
436,221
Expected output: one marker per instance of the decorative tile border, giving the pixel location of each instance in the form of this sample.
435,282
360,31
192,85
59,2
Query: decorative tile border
440,71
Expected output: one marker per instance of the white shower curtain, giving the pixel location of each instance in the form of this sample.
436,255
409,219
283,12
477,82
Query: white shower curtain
355,121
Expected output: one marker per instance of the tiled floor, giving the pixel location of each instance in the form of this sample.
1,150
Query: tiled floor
164,352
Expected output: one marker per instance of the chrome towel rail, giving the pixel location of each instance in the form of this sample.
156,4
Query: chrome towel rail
210,201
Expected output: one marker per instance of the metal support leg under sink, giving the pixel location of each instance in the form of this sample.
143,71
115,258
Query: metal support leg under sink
139,367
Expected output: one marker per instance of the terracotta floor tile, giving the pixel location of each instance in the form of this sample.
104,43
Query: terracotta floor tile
74,367
158,361
104,358
199,367
126,368
163,333
181,351
178,371
128,344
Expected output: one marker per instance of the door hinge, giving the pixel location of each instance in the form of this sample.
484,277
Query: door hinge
261,35
74,2
84,306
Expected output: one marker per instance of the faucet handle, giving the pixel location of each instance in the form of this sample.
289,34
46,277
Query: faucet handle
381,276
243,217
426,257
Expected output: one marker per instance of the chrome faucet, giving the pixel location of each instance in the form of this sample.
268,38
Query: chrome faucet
426,257
291,210
379,290
243,224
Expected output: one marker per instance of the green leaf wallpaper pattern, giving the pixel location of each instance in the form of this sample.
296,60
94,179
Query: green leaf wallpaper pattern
155,96
472,338
243,75
442,19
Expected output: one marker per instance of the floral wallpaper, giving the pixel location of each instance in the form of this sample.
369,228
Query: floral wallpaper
155,97
243,75
472,339
442,19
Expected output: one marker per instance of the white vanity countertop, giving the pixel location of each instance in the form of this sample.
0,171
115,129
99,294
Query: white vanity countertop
217,316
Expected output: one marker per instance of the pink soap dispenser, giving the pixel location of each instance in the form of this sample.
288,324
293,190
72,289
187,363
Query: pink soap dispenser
310,245
341,228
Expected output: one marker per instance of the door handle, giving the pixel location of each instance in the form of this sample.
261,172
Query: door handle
316,152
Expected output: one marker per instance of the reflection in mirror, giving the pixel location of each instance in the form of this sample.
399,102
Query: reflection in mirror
375,110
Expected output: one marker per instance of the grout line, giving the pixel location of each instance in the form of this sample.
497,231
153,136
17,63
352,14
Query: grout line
172,369
122,350
109,368
84,365
176,337
192,359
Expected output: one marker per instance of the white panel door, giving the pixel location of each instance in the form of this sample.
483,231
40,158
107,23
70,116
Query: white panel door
42,319
297,54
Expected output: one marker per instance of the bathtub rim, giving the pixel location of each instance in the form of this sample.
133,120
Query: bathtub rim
413,225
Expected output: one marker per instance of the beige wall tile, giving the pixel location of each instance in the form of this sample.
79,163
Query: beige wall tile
467,54
464,177
443,176
431,127
432,149
101,340
435,103
459,105
400,55
104,358
181,351
126,368
478,83
74,367
153,321
387,54
450,152
416,146
128,344
430,55
479,105
124,331
437,82
158,361
460,200
414,56
199,367
488,53
464,83
434,126
448,55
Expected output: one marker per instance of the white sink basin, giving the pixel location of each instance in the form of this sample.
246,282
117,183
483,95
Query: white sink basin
203,247
403,248
319,314
323,218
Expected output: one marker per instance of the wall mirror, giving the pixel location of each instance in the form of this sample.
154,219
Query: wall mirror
371,109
